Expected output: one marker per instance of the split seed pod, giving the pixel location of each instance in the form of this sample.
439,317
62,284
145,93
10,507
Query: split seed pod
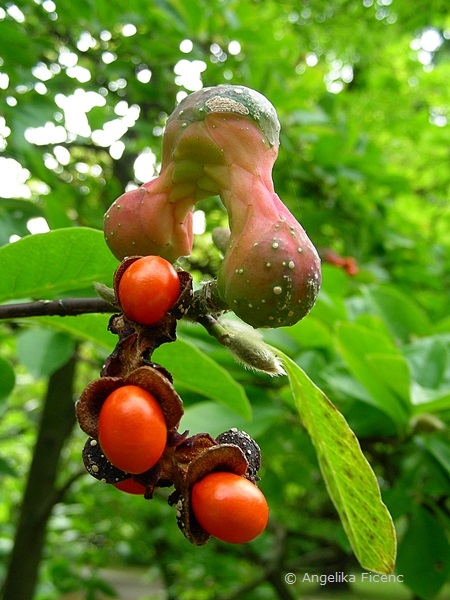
184,299
249,447
220,457
98,466
148,378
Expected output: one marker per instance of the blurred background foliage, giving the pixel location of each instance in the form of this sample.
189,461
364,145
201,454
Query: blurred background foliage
361,90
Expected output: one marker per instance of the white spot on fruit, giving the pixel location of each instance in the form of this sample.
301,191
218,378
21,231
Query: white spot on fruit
275,245
226,105
277,290
291,264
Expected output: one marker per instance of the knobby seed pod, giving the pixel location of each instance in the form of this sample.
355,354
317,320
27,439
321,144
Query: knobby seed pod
224,140
270,275
144,221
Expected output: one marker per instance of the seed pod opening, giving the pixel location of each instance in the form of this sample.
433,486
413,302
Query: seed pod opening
148,378
223,457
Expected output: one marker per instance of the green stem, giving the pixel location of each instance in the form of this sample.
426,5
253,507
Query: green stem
215,329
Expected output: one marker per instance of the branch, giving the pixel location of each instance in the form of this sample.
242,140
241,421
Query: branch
56,424
63,308
59,493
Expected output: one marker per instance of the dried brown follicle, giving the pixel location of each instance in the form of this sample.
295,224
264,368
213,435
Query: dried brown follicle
137,342
136,345
249,447
98,465
148,378
219,457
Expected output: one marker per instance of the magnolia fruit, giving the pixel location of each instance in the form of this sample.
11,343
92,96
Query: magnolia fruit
224,141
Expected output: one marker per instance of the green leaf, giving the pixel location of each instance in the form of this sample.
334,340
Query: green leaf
394,372
310,333
424,555
429,359
402,315
350,481
88,327
359,347
439,449
194,370
216,418
426,400
7,379
43,352
442,326
6,469
40,266
329,309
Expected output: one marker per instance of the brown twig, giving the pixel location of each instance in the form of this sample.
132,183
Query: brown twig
63,308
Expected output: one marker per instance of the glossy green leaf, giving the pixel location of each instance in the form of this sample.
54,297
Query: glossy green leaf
6,468
7,379
310,333
429,359
426,400
88,327
192,369
403,316
439,449
359,347
350,481
329,309
43,352
393,371
40,266
424,555
216,418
